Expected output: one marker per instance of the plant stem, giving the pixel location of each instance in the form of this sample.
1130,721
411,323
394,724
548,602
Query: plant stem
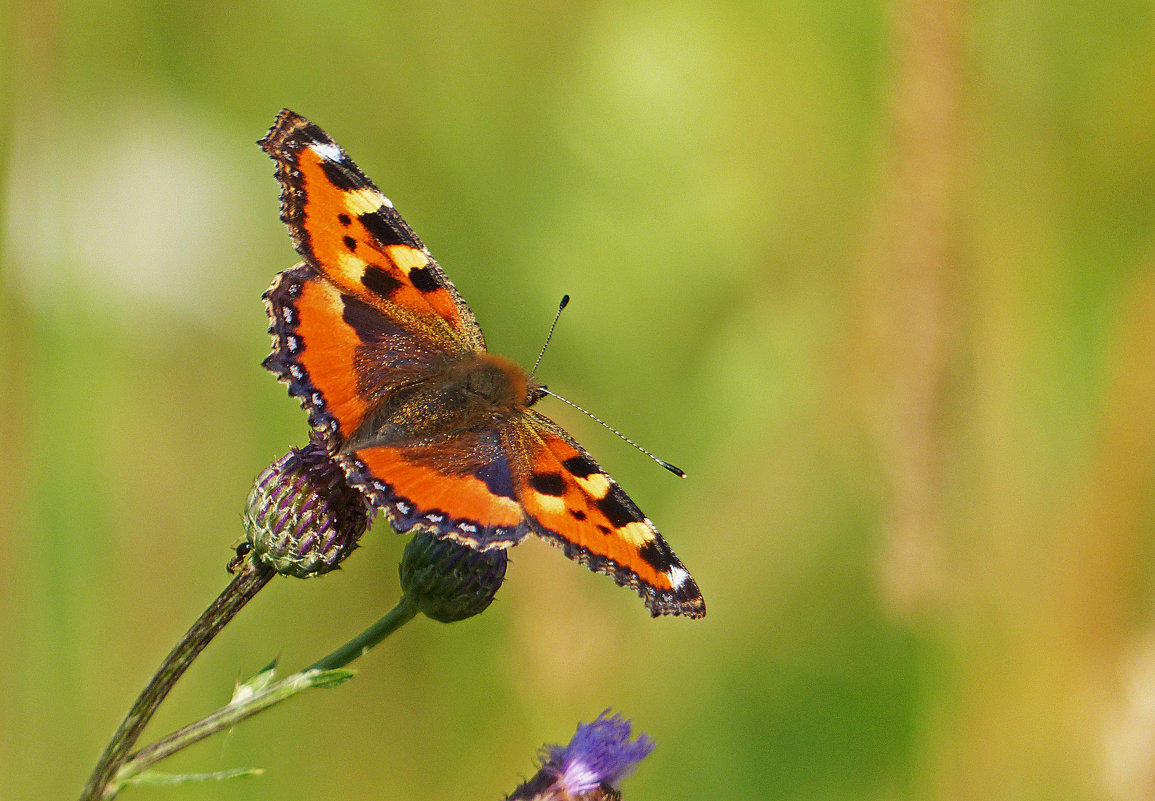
239,592
228,716
394,619
323,672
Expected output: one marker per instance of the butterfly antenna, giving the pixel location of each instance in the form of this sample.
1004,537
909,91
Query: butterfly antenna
549,336
675,470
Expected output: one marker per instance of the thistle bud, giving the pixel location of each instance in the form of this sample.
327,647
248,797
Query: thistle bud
302,517
450,582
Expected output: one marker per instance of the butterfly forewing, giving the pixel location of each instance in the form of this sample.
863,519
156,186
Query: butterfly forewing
575,505
347,229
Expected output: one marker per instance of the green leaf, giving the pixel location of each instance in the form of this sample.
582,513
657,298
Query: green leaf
256,684
331,678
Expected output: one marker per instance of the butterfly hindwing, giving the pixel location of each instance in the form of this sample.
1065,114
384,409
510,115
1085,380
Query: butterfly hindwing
460,488
574,504
339,356
310,354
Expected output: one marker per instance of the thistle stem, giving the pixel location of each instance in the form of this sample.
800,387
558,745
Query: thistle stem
244,586
228,716
322,673
394,619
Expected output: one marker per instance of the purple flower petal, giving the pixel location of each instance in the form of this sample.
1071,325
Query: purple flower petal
600,755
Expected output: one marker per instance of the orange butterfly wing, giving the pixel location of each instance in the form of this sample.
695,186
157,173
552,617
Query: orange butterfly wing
339,355
346,229
460,487
574,504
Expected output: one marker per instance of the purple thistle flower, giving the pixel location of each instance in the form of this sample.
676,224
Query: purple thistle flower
591,767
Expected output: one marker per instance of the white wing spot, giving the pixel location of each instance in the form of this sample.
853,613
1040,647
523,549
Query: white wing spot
678,577
329,151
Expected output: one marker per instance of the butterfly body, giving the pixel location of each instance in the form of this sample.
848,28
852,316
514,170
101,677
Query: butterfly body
391,366
478,391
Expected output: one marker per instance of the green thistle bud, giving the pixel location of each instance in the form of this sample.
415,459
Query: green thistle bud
450,582
302,517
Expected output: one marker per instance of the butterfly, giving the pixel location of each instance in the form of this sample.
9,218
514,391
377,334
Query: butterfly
384,355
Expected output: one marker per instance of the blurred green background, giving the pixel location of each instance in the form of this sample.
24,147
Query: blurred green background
880,277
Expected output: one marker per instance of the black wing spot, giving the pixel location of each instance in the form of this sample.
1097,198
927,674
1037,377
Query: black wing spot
581,466
344,219
379,280
576,514
617,507
340,177
362,318
378,225
310,131
655,556
548,483
350,243
422,278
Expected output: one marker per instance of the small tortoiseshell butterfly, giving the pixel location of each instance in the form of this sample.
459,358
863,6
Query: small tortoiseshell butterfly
390,364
